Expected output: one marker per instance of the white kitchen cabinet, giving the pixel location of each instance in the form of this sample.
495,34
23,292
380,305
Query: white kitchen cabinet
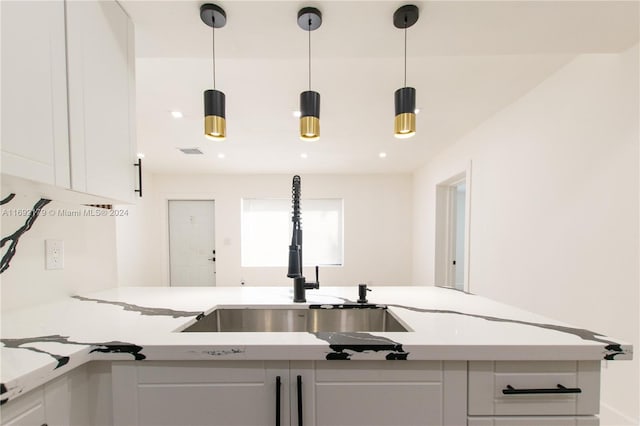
368,393
534,421
330,393
524,388
68,90
225,393
46,405
28,410
101,68
35,138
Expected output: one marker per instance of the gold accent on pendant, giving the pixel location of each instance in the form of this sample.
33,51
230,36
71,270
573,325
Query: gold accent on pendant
405,125
309,128
215,127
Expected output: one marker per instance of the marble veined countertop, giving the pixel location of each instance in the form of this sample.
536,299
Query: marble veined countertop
143,323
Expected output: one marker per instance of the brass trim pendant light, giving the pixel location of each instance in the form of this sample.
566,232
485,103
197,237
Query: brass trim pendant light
309,19
405,97
215,125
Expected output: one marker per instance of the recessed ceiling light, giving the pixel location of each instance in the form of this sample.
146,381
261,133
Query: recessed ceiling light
140,155
176,114
220,155
303,155
382,154
296,114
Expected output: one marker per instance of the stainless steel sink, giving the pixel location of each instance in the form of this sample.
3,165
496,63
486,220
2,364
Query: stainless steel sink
286,319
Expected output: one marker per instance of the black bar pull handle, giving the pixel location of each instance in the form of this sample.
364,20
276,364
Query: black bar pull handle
278,385
299,383
510,390
139,166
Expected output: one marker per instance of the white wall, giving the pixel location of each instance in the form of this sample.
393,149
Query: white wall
554,206
138,236
89,252
377,223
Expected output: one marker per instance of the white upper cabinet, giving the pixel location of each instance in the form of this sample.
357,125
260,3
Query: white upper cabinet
68,91
101,68
35,138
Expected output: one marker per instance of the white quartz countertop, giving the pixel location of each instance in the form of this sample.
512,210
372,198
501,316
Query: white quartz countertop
142,323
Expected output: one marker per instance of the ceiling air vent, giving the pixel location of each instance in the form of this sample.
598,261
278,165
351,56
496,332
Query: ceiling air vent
191,151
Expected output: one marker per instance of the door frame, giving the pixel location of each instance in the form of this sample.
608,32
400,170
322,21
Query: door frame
445,229
171,196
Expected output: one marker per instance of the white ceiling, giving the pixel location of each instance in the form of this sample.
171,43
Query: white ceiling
467,60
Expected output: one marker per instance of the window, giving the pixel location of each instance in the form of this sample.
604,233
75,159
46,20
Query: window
266,232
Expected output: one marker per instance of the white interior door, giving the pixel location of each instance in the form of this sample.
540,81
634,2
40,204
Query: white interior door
192,250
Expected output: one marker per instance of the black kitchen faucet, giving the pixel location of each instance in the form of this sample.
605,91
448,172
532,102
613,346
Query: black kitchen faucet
295,249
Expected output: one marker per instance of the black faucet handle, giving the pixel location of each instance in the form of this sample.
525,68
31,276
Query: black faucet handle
314,285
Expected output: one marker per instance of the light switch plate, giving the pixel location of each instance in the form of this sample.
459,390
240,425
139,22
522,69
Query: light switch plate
54,254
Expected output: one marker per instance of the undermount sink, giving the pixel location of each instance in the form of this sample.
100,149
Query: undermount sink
287,320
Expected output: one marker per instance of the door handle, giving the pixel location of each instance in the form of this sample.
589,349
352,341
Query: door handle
299,383
278,384
213,259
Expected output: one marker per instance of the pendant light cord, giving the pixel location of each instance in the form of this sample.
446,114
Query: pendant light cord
405,51
309,31
213,32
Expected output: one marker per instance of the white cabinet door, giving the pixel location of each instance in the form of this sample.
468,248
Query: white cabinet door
224,393
35,140
57,402
27,410
380,393
101,68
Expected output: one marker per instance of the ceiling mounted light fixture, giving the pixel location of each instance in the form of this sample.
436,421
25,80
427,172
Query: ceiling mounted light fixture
215,126
309,19
405,98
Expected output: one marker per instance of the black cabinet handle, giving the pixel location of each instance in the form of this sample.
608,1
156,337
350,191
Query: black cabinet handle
278,385
510,390
139,166
299,383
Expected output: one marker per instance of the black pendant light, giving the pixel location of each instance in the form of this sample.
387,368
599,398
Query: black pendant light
405,98
309,19
215,125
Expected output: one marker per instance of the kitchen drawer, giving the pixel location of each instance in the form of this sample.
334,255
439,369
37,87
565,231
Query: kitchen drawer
487,380
534,421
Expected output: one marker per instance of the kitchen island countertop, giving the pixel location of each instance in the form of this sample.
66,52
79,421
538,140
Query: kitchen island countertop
143,323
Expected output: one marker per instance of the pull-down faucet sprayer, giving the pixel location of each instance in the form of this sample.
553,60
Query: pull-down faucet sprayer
295,249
